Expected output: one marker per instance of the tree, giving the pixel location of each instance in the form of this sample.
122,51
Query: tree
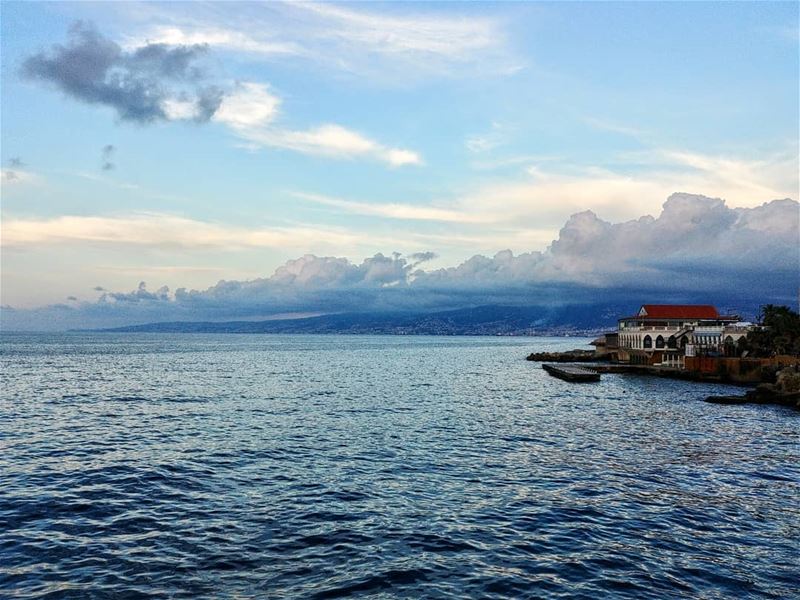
779,332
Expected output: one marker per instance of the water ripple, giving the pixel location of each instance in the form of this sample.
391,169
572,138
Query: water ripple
157,466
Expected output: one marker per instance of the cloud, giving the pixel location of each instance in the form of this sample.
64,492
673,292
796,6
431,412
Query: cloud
439,36
214,36
16,162
738,178
534,207
249,105
696,245
140,84
421,257
512,162
106,155
487,141
392,211
10,176
162,230
16,177
140,294
392,47
162,82
693,235
312,271
606,125
553,190
329,140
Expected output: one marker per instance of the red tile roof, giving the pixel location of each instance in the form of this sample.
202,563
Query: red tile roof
680,311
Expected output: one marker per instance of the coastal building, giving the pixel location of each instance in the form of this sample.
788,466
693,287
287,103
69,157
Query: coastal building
607,346
665,334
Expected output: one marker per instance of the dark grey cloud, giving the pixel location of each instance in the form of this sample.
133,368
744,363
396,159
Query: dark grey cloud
422,257
106,156
208,99
696,250
140,294
137,84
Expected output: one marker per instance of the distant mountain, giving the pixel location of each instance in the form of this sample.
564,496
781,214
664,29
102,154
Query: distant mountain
481,320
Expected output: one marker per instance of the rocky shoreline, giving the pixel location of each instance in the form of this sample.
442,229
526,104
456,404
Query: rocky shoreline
785,392
570,356
778,387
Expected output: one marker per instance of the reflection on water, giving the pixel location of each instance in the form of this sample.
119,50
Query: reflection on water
203,466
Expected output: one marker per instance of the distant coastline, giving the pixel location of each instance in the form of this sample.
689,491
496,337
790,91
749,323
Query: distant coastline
482,320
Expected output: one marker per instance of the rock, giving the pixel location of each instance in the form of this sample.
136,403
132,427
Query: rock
785,391
569,356
788,380
770,393
728,399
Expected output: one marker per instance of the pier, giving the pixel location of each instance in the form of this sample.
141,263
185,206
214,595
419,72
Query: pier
572,373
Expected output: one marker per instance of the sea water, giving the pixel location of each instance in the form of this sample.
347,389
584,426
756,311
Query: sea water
255,466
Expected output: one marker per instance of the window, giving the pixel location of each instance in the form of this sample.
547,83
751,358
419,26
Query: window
672,342
660,342
648,341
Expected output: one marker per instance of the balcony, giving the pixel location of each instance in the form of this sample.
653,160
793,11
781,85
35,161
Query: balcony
671,329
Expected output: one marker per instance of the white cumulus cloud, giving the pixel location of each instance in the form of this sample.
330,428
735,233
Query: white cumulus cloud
248,105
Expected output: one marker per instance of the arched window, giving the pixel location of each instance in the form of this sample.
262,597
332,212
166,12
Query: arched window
672,342
729,347
648,341
660,342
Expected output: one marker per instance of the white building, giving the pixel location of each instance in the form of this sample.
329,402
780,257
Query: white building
663,334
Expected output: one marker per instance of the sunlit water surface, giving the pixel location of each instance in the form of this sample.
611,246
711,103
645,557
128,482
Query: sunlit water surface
227,466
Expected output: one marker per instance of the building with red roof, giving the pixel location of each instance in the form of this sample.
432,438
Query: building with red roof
664,334
677,311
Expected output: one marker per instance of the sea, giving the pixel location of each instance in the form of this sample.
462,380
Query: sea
281,466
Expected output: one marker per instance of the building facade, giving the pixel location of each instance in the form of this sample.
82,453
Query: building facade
664,334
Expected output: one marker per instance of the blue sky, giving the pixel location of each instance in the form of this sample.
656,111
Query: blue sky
350,129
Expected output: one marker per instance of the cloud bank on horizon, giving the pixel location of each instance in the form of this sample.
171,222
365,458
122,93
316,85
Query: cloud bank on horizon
697,245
